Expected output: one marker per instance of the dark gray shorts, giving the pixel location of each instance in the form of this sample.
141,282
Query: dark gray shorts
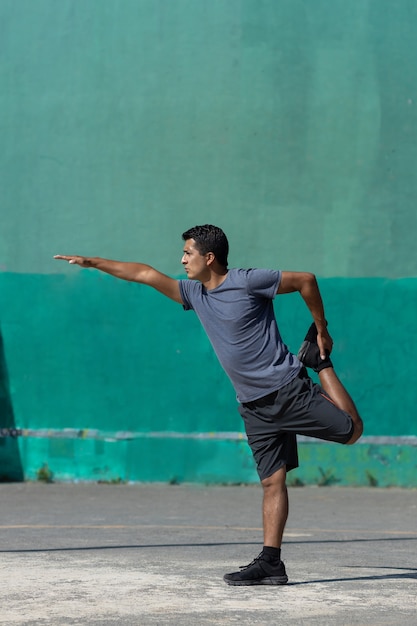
300,408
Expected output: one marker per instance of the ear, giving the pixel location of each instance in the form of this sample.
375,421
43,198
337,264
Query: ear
210,258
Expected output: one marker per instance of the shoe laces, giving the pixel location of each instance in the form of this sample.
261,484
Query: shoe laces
255,560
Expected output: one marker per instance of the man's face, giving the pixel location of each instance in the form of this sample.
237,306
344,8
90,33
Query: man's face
195,264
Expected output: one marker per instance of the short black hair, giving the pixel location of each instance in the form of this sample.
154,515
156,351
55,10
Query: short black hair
209,238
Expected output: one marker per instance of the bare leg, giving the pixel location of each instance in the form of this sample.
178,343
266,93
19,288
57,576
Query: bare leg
332,385
267,568
275,507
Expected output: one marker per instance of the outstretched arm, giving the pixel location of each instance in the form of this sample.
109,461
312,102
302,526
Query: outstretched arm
134,272
306,284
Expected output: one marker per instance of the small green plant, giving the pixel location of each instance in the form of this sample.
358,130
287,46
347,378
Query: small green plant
112,481
372,481
327,478
44,474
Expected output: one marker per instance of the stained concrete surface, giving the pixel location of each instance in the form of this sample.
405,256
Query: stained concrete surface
155,554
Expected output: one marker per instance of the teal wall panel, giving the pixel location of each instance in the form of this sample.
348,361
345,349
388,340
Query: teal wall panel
292,124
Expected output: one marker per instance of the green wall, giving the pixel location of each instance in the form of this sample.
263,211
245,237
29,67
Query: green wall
291,124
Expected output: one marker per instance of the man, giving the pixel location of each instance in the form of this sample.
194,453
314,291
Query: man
277,398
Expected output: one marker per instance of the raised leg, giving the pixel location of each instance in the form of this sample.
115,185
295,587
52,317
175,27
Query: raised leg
309,355
337,392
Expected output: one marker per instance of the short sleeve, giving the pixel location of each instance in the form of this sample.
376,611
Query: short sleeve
263,283
185,286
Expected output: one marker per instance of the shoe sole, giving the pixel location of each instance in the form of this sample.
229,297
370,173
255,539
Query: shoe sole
313,360
302,355
303,350
270,580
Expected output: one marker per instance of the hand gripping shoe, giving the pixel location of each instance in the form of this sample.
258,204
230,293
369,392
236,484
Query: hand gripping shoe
309,353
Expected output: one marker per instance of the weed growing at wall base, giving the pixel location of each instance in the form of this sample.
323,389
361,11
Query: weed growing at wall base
44,474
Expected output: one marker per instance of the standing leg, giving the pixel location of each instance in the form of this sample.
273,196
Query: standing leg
275,507
267,568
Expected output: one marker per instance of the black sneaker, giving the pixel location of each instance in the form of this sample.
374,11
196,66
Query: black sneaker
309,353
264,570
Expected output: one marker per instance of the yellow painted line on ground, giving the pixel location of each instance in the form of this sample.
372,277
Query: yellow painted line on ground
355,531
290,533
119,526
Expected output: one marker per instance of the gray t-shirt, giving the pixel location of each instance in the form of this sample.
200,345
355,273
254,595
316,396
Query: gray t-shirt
238,317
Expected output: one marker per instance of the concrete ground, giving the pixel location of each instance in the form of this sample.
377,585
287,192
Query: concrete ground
156,554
